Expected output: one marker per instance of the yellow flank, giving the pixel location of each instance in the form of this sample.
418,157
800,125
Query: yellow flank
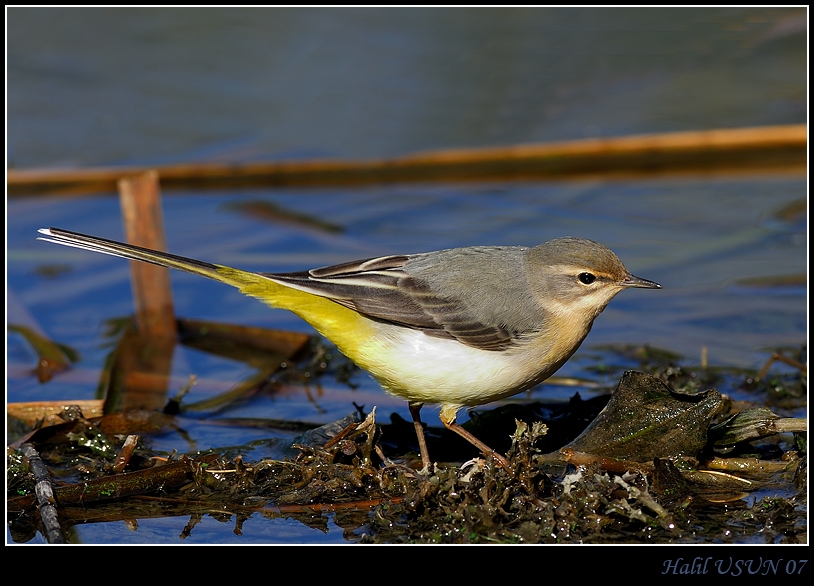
346,328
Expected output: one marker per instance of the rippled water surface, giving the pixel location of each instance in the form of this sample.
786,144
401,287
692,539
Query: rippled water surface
99,87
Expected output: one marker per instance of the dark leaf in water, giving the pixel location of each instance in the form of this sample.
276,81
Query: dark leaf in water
796,211
53,357
325,433
260,347
268,211
646,419
773,281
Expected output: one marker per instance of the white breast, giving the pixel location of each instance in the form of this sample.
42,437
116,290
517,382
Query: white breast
428,369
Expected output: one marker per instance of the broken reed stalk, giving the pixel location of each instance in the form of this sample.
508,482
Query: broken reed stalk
140,198
140,372
740,150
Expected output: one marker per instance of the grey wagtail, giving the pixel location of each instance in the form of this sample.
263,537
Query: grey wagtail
458,327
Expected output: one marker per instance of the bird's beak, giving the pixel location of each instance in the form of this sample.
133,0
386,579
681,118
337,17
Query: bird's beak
632,281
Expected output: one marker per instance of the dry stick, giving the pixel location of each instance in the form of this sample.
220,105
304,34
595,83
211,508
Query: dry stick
750,465
45,495
278,509
750,150
776,356
48,411
127,484
140,199
606,463
144,356
125,454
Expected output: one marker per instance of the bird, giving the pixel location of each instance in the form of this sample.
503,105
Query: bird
459,327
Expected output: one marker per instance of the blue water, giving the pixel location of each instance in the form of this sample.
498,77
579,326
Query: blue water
98,87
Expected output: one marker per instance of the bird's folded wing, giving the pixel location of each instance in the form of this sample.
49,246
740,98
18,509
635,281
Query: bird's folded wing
381,289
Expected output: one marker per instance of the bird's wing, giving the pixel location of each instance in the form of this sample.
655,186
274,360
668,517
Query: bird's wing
380,288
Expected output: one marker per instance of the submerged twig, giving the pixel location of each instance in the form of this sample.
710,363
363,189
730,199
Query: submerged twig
778,357
45,495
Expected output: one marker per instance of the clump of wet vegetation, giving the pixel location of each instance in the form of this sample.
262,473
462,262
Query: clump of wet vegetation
677,455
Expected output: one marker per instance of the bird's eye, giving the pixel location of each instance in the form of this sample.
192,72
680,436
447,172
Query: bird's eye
586,278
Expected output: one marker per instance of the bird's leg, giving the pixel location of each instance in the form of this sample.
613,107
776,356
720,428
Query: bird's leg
415,409
448,419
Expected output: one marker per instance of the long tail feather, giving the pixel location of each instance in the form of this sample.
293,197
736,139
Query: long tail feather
340,324
128,251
